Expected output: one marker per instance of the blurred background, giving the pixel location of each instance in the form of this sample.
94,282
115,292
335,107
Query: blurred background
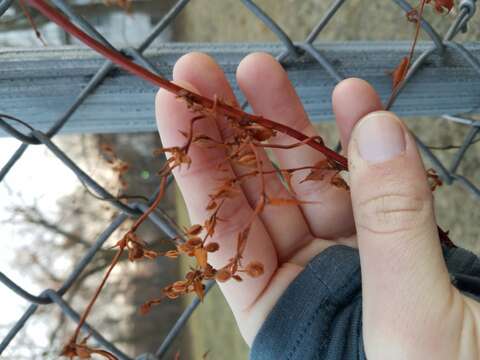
47,222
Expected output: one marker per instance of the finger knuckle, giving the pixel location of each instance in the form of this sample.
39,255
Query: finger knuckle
392,213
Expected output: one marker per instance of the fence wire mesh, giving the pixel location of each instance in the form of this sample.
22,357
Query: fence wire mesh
291,52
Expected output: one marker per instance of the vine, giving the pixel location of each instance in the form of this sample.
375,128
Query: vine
249,133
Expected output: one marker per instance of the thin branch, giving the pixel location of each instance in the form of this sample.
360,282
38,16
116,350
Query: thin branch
206,103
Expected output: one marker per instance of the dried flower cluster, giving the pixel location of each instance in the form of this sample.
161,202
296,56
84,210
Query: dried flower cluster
414,16
248,134
119,167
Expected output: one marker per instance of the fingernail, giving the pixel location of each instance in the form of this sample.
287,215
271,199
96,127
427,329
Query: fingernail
380,137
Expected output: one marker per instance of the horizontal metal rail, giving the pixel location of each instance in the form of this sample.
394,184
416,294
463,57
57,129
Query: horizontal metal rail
36,85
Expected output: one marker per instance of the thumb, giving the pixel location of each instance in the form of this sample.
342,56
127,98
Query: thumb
403,269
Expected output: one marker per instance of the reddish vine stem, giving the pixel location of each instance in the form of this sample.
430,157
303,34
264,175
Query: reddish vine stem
417,30
87,310
151,208
122,244
138,70
407,60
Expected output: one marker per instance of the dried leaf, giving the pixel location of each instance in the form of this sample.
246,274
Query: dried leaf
339,182
199,289
145,308
400,72
442,6
434,179
212,204
319,172
178,156
412,15
135,252
227,190
83,351
223,275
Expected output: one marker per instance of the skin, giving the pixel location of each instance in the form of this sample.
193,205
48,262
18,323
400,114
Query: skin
410,308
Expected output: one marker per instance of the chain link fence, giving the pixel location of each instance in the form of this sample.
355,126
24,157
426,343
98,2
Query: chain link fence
439,63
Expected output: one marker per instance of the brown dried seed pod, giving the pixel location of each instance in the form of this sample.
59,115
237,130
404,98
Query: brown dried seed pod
180,286
172,254
223,275
145,308
135,253
254,269
172,295
261,133
190,275
194,241
211,205
194,229
212,247
150,254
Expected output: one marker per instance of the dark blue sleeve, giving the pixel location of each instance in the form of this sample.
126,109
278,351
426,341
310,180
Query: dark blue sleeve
320,314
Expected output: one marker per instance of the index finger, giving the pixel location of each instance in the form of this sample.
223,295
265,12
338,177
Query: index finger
202,179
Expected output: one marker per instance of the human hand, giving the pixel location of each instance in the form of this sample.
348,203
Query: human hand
410,308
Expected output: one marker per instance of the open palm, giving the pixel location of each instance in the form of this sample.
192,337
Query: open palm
285,238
